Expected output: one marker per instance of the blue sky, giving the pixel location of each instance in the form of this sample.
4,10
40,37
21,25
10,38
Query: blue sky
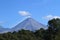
40,10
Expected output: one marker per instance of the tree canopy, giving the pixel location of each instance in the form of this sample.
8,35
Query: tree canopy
51,33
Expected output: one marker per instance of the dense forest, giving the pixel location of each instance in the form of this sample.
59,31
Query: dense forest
51,33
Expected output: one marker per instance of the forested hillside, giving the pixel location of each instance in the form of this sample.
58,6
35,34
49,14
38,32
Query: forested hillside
52,33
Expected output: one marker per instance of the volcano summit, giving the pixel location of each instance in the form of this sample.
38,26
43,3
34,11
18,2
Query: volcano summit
28,24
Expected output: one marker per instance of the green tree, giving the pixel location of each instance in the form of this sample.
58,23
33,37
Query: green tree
53,28
40,34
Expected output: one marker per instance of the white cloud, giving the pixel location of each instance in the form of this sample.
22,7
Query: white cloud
49,17
24,13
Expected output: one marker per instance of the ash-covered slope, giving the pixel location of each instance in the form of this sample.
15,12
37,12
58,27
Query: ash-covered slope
28,24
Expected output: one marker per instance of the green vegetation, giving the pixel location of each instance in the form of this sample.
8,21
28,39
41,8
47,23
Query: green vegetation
51,33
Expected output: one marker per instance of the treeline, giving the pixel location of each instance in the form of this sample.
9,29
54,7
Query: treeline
51,33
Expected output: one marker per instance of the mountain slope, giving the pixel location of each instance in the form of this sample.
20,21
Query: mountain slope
28,24
3,30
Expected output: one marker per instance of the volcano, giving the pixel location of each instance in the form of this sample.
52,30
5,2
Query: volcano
28,24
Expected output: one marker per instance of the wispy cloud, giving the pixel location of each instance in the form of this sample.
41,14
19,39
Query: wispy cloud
49,17
1,22
24,13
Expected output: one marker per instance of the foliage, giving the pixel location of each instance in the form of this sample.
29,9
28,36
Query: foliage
52,33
